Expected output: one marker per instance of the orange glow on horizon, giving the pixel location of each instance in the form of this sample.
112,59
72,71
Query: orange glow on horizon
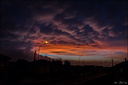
78,50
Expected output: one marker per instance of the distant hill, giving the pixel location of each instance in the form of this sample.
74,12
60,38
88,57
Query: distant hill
4,58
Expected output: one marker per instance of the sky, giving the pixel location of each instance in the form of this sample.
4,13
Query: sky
92,31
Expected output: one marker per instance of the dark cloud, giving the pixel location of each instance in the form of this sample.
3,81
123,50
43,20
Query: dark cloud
80,22
63,42
17,50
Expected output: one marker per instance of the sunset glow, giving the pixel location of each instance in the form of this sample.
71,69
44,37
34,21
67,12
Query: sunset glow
95,32
46,42
85,52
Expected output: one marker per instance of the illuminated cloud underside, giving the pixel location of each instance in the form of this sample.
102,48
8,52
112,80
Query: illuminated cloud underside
93,30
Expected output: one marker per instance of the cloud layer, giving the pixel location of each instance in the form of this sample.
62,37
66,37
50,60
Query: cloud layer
94,25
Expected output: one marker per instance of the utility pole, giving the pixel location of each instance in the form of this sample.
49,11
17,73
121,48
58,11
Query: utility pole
125,59
79,60
35,56
46,42
112,62
83,63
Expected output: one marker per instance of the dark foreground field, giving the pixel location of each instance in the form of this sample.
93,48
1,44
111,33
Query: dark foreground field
55,73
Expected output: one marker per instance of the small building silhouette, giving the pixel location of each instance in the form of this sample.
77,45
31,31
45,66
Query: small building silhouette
4,60
67,63
125,59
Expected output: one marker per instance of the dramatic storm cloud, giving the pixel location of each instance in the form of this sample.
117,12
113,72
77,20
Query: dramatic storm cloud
90,29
